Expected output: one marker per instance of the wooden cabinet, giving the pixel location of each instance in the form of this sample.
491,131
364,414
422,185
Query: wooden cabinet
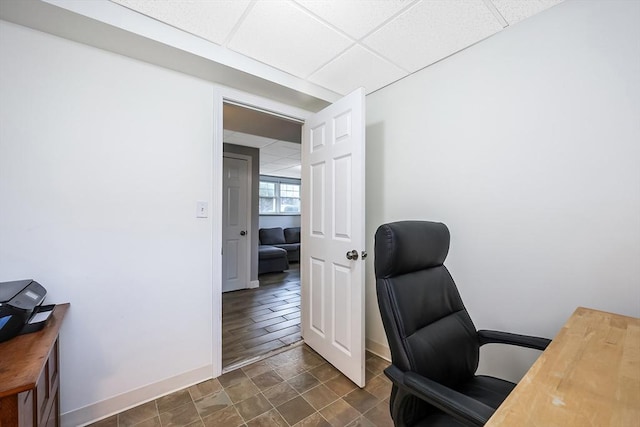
30,376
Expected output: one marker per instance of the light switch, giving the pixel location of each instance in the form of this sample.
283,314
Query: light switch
202,210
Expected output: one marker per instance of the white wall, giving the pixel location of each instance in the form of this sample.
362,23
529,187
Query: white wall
284,221
527,145
102,160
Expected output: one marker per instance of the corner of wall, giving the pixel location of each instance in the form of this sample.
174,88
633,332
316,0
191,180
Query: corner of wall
378,349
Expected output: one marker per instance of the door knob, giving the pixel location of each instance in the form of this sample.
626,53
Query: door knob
352,255
242,233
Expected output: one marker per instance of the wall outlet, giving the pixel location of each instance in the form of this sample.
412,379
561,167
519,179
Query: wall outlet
202,209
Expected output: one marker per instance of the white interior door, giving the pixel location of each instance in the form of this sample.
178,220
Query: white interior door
333,237
235,224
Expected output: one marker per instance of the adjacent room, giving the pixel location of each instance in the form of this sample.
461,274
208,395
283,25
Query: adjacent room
261,235
197,188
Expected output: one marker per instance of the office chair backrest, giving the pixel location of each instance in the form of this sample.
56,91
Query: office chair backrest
427,326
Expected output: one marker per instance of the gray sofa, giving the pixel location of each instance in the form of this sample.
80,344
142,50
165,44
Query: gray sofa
278,248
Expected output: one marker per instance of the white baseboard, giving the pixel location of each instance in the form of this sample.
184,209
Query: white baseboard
254,284
133,398
114,405
378,349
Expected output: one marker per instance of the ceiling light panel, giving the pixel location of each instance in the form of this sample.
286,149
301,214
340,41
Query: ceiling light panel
354,68
432,30
357,18
211,20
517,10
282,34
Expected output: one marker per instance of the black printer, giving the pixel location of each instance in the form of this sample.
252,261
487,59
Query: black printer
21,309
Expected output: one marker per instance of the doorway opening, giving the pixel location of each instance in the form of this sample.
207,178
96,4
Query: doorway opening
260,312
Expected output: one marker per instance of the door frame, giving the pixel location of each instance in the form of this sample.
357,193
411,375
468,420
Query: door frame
249,160
220,95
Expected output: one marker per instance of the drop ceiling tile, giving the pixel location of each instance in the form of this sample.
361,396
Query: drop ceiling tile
356,18
517,10
269,168
211,20
292,172
267,158
282,149
266,170
354,68
297,156
279,151
284,162
248,140
288,145
432,30
283,35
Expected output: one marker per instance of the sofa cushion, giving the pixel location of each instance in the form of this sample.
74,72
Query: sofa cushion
292,235
271,236
271,252
272,259
289,247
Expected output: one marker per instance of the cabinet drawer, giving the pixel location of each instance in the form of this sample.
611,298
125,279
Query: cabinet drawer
25,408
52,364
42,392
52,417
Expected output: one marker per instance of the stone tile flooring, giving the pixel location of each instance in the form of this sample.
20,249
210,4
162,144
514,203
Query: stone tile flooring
294,388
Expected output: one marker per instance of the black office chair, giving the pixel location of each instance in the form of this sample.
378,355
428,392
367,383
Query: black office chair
434,344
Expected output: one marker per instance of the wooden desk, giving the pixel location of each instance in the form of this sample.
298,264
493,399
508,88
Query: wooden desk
588,376
29,376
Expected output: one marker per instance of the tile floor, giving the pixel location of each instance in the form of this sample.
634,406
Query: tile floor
294,388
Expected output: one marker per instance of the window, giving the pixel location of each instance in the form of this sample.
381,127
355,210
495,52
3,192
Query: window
279,195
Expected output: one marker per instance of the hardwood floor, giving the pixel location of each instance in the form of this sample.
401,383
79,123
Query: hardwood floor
257,321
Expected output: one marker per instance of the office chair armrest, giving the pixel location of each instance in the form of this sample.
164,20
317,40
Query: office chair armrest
395,375
499,337
459,406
